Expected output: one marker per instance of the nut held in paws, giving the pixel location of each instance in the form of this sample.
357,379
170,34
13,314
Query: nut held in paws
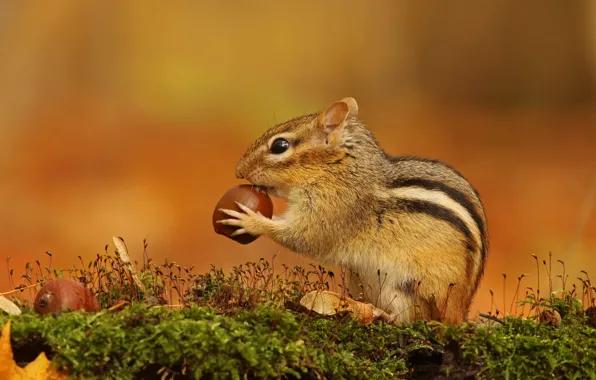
252,197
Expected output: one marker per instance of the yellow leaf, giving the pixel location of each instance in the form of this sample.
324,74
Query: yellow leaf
322,302
39,369
329,303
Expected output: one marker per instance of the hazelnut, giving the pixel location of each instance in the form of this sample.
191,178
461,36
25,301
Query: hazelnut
252,197
59,294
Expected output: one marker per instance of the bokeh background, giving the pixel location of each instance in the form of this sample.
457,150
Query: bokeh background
127,118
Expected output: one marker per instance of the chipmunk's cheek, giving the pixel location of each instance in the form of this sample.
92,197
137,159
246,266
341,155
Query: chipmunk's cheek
283,193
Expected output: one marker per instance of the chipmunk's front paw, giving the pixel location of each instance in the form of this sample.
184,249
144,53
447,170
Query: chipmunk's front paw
248,222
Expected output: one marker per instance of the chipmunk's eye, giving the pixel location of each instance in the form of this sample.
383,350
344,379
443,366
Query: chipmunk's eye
279,146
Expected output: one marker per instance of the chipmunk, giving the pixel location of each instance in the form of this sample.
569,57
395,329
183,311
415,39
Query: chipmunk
413,229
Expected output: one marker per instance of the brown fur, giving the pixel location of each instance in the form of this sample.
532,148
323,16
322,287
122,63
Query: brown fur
413,229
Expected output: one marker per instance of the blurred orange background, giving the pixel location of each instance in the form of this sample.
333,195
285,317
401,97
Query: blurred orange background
127,118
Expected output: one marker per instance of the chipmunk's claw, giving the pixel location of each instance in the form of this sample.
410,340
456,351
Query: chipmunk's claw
239,231
247,210
230,222
248,221
232,213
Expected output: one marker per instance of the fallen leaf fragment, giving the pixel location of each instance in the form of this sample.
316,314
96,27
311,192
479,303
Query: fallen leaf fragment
550,317
39,369
322,302
9,306
363,312
325,302
122,251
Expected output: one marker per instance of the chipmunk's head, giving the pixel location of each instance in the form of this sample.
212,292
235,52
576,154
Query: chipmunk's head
301,150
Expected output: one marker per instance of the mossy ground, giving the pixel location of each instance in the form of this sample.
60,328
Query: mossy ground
248,324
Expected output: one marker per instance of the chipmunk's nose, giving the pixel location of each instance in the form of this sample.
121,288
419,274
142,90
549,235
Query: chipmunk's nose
239,172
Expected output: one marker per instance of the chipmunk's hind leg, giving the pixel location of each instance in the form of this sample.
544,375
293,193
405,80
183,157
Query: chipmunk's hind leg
442,301
452,307
393,300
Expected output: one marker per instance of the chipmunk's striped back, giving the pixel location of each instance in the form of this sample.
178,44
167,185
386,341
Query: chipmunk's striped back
436,189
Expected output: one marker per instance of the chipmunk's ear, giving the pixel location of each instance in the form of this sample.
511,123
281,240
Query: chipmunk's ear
333,119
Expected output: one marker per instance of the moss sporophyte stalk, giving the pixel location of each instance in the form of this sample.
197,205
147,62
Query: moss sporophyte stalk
248,324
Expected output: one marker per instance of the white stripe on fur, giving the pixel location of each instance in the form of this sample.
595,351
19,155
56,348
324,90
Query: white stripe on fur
441,199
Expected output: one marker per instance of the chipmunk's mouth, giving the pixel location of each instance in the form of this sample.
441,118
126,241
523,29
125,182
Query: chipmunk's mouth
270,190
265,189
274,191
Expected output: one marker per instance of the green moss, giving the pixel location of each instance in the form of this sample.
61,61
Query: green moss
265,342
269,342
523,349
247,324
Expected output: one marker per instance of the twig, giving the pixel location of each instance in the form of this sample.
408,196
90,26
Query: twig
22,288
174,306
492,318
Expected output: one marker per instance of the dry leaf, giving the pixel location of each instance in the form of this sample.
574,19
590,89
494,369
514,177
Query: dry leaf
322,302
9,306
363,312
330,303
39,369
550,317
121,249
123,253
